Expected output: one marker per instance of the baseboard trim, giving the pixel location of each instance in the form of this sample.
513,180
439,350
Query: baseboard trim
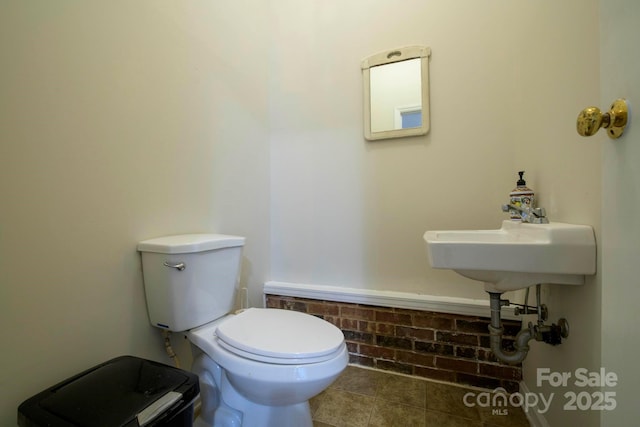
435,303
536,419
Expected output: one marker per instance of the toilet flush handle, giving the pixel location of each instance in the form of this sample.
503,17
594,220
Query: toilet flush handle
179,266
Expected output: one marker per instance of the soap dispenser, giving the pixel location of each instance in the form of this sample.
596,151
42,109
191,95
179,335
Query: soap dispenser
521,196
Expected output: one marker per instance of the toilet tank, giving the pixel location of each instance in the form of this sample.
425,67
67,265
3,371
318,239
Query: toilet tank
190,279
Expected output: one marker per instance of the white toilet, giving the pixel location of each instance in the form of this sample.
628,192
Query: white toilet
258,368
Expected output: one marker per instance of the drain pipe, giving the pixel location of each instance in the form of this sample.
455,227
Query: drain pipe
495,335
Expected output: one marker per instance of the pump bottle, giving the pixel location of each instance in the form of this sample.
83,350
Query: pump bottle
521,196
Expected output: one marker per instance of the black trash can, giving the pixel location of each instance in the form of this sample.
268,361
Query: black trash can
123,392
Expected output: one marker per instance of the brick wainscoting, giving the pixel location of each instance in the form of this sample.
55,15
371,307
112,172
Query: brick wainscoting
441,346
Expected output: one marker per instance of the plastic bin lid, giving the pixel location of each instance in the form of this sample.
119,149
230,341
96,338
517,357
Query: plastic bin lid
124,392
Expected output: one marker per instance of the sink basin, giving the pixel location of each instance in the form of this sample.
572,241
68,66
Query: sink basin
517,255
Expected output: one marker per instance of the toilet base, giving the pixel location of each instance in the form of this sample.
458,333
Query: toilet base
293,416
223,406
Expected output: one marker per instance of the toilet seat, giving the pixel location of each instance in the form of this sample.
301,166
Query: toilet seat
280,337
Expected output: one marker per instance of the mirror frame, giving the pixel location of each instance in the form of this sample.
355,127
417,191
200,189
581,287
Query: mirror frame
389,57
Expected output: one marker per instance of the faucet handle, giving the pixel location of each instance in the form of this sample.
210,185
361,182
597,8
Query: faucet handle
539,216
539,212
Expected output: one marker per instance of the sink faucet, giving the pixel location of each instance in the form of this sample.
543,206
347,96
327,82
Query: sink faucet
527,214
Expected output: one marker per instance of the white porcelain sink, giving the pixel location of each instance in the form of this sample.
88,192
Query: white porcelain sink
518,255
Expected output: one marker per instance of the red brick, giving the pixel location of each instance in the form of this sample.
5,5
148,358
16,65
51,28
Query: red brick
502,372
420,334
361,360
294,305
377,352
394,342
385,329
365,326
391,317
433,347
433,321
413,338
436,374
352,347
466,339
349,324
466,352
474,327
333,320
487,355
272,302
357,313
408,311
414,358
457,365
324,309
358,336
388,365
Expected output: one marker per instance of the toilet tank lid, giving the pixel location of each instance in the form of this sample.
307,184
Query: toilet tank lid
189,243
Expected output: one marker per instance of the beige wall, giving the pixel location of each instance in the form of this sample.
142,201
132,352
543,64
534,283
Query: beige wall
505,92
126,121
119,121
503,95
565,169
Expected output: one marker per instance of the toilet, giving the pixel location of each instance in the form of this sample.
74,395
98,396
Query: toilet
258,367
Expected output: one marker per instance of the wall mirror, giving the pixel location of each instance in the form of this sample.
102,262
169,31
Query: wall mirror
396,93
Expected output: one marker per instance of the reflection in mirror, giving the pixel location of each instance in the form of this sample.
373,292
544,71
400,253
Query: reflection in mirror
396,101
396,93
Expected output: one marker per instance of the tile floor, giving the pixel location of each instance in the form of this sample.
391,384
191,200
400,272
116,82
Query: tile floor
363,397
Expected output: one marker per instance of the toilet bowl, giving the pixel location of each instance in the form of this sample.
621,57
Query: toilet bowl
258,367
261,368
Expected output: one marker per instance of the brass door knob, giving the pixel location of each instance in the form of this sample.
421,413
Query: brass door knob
615,120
